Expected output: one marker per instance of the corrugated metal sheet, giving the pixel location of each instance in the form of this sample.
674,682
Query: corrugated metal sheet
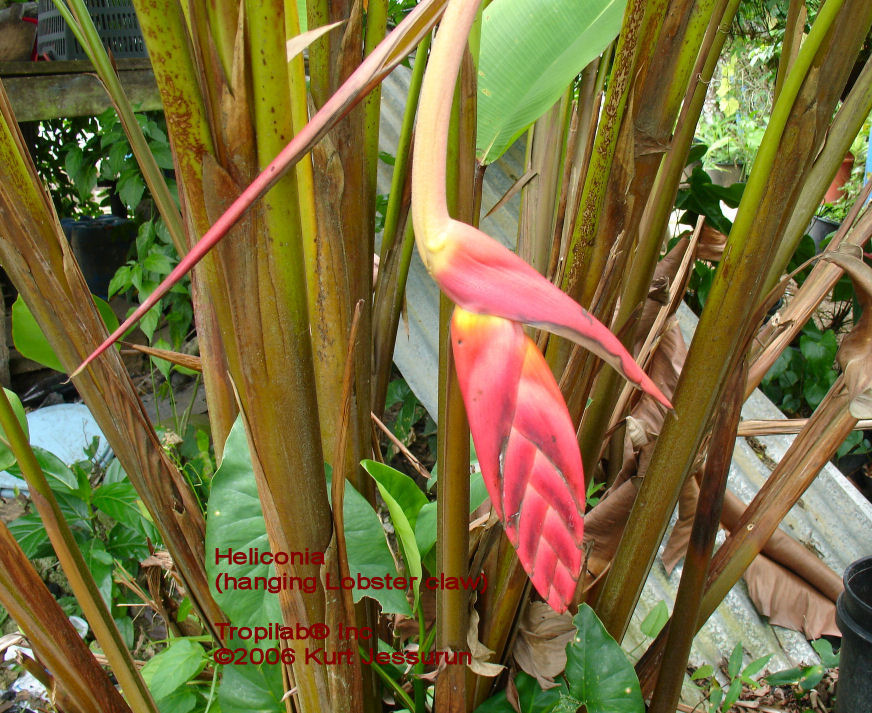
832,519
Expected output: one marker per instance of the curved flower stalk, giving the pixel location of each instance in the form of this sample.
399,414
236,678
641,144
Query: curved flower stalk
520,425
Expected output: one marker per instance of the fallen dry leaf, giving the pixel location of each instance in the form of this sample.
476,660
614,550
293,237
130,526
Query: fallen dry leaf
540,648
480,653
789,601
680,537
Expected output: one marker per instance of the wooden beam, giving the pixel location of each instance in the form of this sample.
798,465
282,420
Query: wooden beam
49,90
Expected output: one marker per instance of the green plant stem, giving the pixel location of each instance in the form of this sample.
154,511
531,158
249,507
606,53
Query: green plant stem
593,194
391,683
846,125
83,28
376,26
73,563
653,223
719,334
453,437
417,681
390,293
699,551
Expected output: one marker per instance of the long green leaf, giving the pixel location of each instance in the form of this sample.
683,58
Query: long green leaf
31,342
530,52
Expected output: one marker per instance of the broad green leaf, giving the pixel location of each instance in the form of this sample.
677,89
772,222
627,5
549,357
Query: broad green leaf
174,667
704,671
597,670
182,700
59,476
124,543
733,693
125,628
530,52
824,649
402,488
402,526
118,501
114,473
531,698
235,521
425,525
811,677
100,563
6,457
785,678
251,689
755,667
31,342
30,534
368,551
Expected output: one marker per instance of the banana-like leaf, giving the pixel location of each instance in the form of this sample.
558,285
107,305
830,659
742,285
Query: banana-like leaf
530,52
526,447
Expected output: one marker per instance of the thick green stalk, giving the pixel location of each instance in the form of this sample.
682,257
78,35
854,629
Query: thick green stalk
172,56
723,324
594,192
654,221
452,549
376,26
79,576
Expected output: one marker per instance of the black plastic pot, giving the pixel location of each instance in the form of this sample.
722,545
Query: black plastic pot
101,246
820,228
854,618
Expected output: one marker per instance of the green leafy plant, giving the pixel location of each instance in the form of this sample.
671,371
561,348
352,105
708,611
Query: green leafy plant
598,677
106,518
806,678
722,697
802,375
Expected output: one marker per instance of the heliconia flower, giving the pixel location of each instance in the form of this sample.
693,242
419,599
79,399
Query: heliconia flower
483,276
526,448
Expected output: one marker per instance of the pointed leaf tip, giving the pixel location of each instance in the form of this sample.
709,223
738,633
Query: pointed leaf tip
526,447
484,277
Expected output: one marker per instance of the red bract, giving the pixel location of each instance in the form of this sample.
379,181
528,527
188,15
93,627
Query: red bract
526,448
483,276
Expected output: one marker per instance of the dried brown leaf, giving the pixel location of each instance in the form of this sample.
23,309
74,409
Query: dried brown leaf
788,552
480,653
540,648
297,44
680,536
604,525
711,244
789,601
855,352
666,270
